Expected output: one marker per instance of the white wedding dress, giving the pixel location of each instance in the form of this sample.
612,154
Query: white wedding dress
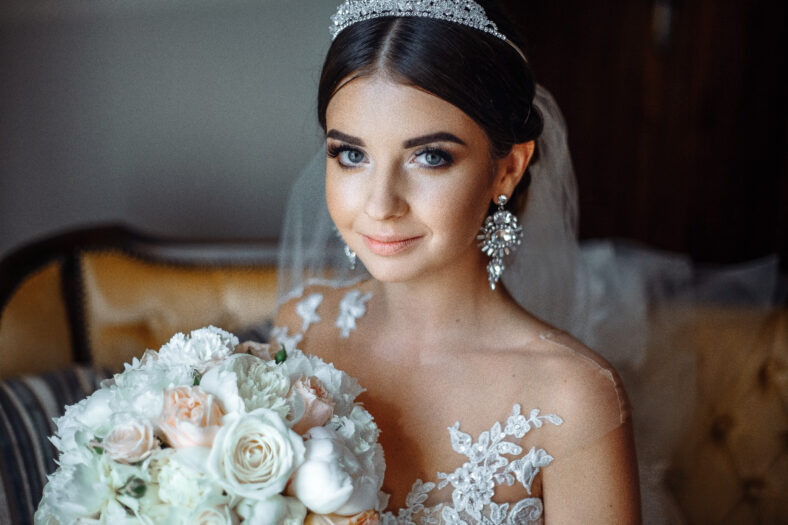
506,454
491,459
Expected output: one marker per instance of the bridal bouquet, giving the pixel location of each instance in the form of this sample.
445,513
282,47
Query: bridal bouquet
209,431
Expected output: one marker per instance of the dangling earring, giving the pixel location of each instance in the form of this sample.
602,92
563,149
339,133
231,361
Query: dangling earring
500,235
350,254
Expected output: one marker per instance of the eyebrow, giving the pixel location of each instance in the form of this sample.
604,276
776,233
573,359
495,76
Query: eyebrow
441,136
350,139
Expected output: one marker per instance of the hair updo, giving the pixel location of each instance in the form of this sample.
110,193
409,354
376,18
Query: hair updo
475,71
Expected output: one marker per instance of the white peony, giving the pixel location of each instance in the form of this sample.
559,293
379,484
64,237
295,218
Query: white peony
182,478
254,454
332,480
244,382
276,510
72,492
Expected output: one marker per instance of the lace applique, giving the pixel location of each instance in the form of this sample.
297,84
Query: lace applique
307,309
351,307
474,483
279,334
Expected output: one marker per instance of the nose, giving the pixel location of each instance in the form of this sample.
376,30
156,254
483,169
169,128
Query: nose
386,194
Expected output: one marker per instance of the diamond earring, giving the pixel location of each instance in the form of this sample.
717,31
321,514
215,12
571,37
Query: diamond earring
350,254
351,257
500,235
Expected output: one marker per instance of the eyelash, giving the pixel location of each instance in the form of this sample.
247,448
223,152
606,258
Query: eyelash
448,160
333,151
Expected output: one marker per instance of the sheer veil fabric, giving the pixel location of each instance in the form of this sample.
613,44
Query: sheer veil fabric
609,295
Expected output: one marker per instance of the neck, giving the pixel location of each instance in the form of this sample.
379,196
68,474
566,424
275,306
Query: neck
440,300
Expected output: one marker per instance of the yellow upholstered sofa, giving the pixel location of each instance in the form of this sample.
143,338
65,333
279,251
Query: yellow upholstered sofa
74,307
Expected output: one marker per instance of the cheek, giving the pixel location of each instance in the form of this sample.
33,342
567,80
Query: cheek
340,197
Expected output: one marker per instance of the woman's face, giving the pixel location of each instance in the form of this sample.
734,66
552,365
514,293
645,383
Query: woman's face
408,180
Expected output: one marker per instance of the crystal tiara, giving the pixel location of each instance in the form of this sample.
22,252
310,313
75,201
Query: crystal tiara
465,12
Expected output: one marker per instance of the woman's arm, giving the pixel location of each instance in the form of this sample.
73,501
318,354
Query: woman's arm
596,484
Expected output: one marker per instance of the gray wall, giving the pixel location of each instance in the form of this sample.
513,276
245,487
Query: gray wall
178,117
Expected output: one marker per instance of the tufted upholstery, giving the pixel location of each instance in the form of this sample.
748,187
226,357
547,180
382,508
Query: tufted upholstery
731,465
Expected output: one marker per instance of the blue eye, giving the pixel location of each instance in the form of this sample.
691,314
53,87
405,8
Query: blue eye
348,156
434,158
351,157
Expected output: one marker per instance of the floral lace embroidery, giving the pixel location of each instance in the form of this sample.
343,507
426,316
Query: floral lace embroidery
307,310
352,307
474,483
279,334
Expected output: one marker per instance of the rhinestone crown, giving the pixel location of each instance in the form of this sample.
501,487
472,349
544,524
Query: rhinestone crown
465,12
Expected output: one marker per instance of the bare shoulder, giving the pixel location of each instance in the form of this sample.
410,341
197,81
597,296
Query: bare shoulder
317,303
583,386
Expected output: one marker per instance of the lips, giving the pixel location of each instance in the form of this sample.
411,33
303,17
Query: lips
387,246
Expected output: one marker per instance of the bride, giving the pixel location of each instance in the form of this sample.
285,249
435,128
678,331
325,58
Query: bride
435,135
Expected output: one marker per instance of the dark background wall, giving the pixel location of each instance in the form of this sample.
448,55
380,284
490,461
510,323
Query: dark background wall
191,117
677,113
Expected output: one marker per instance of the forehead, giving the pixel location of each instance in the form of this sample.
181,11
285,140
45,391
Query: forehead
377,105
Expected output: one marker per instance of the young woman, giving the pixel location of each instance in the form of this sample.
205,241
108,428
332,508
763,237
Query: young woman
488,414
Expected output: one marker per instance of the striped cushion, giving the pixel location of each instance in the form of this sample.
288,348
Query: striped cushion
27,406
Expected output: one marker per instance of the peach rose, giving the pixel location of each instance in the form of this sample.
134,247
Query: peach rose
261,350
318,407
190,418
368,517
130,441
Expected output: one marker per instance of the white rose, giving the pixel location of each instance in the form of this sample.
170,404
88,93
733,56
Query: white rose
253,455
332,480
214,515
244,382
276,510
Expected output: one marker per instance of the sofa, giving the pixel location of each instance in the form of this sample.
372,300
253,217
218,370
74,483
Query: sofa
75,306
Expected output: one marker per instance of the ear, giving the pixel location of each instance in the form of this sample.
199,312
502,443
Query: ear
511,168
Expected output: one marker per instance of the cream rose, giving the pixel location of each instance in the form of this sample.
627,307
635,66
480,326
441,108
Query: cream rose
130,441
190,418
214,515
312,403
369,517
254,454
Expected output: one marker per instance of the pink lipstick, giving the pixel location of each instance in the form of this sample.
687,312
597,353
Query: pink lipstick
389,246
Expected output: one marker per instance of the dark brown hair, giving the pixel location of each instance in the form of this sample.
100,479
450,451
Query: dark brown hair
475,71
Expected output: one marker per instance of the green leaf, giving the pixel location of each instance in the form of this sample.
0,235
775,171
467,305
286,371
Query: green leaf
197,378
281,356
98,450
134,487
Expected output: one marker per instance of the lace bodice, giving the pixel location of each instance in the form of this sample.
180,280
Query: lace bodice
493,459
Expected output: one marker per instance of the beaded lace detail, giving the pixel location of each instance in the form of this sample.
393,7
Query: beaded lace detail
307,310
352,307
491,462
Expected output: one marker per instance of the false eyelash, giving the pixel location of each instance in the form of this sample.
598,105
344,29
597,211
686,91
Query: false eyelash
448,159
334,150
